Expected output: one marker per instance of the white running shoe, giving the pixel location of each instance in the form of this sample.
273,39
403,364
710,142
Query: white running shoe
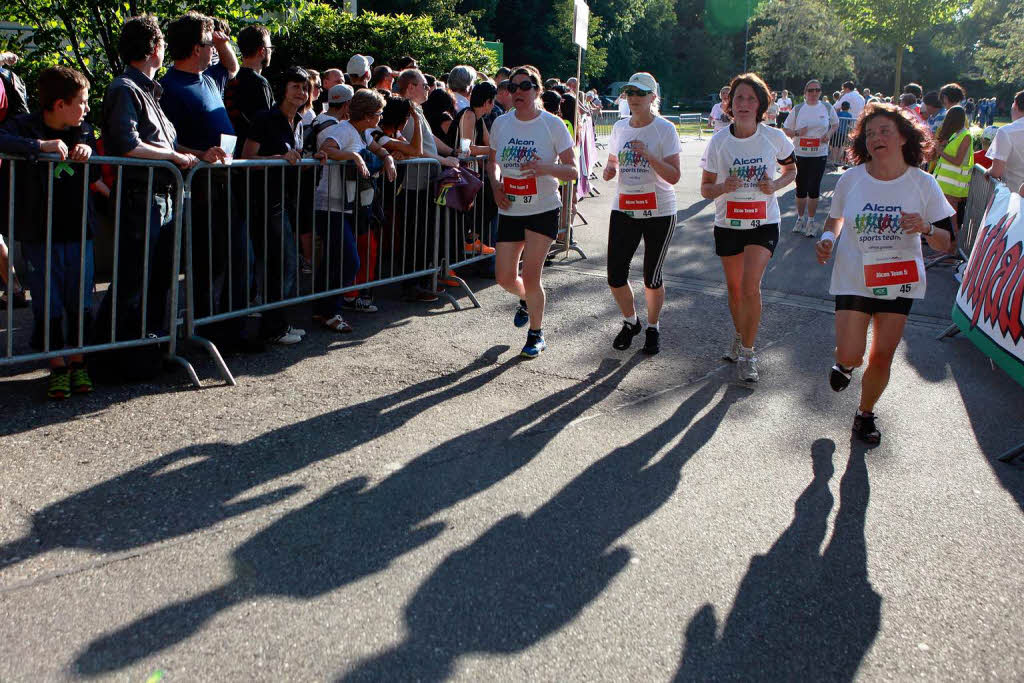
798,225
746,367
810,229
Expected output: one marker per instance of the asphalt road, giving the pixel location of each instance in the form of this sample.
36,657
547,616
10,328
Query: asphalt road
411,502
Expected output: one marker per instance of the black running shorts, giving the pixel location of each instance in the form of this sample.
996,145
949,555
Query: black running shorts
730,242
513,228
871,305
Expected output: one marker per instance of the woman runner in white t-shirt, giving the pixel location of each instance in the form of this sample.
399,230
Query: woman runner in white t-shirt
880,209
740,165
644,151
811,126
531,150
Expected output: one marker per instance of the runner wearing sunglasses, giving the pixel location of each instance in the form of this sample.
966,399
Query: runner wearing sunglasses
644,152
740,173
531,150
879,211
811,126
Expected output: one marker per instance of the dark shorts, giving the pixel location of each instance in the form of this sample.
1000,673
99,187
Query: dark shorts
870,305
730,242
513,228
809,172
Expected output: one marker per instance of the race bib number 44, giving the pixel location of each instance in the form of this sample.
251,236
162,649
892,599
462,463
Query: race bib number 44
638,200
521,190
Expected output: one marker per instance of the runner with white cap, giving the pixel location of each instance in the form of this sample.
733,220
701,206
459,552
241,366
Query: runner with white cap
644,152
811,126
741,174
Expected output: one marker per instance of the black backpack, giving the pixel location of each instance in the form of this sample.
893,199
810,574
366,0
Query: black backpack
310,135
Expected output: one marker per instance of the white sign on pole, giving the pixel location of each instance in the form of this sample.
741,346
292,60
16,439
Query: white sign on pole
581,23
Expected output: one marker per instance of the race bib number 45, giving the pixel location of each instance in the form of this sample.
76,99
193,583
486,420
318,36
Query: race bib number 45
521,190
891,275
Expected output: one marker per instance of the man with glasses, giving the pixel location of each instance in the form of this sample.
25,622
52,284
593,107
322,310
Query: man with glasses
811,126
249,93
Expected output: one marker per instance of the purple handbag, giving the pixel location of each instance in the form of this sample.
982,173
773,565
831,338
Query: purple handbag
457,188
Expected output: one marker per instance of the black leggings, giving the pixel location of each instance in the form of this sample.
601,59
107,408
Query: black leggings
809,171
624,235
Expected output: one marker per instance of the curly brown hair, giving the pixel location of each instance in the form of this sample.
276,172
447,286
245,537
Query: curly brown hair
764,95
919,139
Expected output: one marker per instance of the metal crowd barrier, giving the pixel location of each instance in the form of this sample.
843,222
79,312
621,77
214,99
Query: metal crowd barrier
275,206
467,231
135,320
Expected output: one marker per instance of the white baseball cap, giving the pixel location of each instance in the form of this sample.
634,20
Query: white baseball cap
643,81
990,132
358,65
340,94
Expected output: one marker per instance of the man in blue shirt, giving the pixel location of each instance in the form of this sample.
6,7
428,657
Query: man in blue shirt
192,101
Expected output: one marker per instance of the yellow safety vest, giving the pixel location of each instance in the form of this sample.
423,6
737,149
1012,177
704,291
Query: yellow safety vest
955,180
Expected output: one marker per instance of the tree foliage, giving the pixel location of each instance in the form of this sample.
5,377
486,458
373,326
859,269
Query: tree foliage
800,39
1001,55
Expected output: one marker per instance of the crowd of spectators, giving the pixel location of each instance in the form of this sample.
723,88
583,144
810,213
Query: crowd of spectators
187,97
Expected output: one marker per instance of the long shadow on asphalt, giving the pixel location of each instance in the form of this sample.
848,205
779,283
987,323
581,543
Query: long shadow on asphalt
798,614
163,499
354,530
527,577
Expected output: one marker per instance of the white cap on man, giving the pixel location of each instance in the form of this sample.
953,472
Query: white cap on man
643,81
340,94
359,65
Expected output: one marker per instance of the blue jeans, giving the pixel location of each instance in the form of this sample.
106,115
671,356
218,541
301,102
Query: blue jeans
65,276
341,262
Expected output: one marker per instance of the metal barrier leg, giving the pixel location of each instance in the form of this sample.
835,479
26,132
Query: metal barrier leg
1012,454
443,263
949,332
211,348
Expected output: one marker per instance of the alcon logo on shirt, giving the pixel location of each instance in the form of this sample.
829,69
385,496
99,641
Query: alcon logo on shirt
878,222
750,171
632,162
517,152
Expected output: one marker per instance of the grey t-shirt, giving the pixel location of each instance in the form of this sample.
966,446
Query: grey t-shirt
420,175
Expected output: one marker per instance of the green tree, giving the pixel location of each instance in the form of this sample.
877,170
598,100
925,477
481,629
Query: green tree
1000,55
800,39
896,22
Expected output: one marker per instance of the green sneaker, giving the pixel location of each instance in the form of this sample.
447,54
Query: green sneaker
81,383
59,386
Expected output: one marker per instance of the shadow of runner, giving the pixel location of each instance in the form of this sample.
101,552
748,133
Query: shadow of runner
527,577
153,503
353,531
798,615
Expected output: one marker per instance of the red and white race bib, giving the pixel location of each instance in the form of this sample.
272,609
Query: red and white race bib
810,144
642,199
889,274
520,187
746,210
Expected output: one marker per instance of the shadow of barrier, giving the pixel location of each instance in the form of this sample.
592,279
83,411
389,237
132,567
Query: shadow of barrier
258,236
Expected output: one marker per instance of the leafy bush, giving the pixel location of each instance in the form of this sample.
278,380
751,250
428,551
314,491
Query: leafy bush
320,37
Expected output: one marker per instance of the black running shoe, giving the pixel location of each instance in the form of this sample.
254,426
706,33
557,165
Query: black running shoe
839,377
624,339
864,429
653,343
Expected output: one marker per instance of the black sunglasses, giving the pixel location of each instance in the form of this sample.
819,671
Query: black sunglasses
525,86
630,92
812,90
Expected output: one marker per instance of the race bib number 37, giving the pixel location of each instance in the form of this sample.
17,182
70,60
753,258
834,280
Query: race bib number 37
810,144
520,189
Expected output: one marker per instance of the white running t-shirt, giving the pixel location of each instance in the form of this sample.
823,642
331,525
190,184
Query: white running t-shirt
515,142
719,119
642,193
873,257
817,118
750,159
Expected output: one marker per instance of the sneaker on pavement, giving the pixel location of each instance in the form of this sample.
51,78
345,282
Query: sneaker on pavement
798,225
624,339
58,386
307,265
534,345
338,324
296,331
449,280
733,354
839,377
81,383
746,367
864,428
810,229
653,343
522,316
360,304
287,338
